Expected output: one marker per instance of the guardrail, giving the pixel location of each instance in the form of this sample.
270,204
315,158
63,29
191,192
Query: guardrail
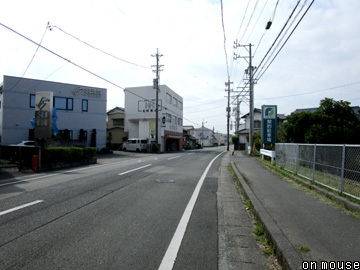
268,153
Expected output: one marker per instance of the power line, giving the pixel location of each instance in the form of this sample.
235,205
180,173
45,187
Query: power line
312,92
95,48
286,39
277,36
252,30
207,109
223,26
50,51
247,26
283,36
37,48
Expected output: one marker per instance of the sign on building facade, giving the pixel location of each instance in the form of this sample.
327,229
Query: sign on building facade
43,114
269,124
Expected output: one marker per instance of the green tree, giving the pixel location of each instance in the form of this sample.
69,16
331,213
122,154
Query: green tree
334,122
93,138
109,141
293,131
257,140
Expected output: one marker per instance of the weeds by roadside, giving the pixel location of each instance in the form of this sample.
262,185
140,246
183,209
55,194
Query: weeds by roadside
265,245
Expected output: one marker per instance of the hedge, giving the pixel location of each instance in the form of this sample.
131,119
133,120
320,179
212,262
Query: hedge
67,154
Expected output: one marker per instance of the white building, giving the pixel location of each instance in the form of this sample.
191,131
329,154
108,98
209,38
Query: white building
205,136
78,107
221,138
140,116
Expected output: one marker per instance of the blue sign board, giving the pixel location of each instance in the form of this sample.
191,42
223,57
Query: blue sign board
269,124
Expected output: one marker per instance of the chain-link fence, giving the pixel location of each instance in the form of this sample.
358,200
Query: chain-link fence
334,166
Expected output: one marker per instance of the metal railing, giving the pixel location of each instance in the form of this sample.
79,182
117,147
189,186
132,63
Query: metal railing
334,166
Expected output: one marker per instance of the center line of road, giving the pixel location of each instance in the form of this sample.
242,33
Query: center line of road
19,207
135,169
173,249
173,157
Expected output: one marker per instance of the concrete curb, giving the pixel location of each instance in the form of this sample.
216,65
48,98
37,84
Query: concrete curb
286,254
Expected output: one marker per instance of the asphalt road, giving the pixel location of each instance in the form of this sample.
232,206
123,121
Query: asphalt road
118,214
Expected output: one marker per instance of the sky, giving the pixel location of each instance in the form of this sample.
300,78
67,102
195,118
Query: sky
196,40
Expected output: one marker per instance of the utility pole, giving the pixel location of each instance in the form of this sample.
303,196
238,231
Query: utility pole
156,86
228,109
237,114
251,133
250,71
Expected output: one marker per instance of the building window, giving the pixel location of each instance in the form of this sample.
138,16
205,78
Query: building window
168,98
175,120
257,124
168,117
180,122
175,101
180,105
118,122
32,101
61,103
85,103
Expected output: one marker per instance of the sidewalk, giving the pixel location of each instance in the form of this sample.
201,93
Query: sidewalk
238,248
304,229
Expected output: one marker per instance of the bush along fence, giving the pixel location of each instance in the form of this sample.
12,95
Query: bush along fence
64,156
336,167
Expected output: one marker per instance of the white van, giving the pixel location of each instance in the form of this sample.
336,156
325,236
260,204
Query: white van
136,144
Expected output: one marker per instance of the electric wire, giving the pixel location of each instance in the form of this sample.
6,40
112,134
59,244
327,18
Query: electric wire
273,16
277,37
223,27
263,35
206,109
50,51
102,51
238,32
312,92
252,30
242,21
251,16
284,35
32,58
258,78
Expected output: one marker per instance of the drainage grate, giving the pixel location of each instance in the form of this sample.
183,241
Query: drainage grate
165,181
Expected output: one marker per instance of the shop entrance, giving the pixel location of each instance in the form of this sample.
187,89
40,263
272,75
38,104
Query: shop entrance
172,145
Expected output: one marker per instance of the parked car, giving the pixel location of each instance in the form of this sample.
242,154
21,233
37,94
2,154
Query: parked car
25,143
136,144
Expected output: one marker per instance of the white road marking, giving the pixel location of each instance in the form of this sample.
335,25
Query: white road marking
173,249
62,172
173,157
135,169
20,207
27,180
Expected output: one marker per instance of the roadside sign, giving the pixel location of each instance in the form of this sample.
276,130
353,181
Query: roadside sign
269,124
163,120
43,114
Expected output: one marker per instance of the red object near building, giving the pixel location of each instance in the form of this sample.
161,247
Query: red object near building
35,163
